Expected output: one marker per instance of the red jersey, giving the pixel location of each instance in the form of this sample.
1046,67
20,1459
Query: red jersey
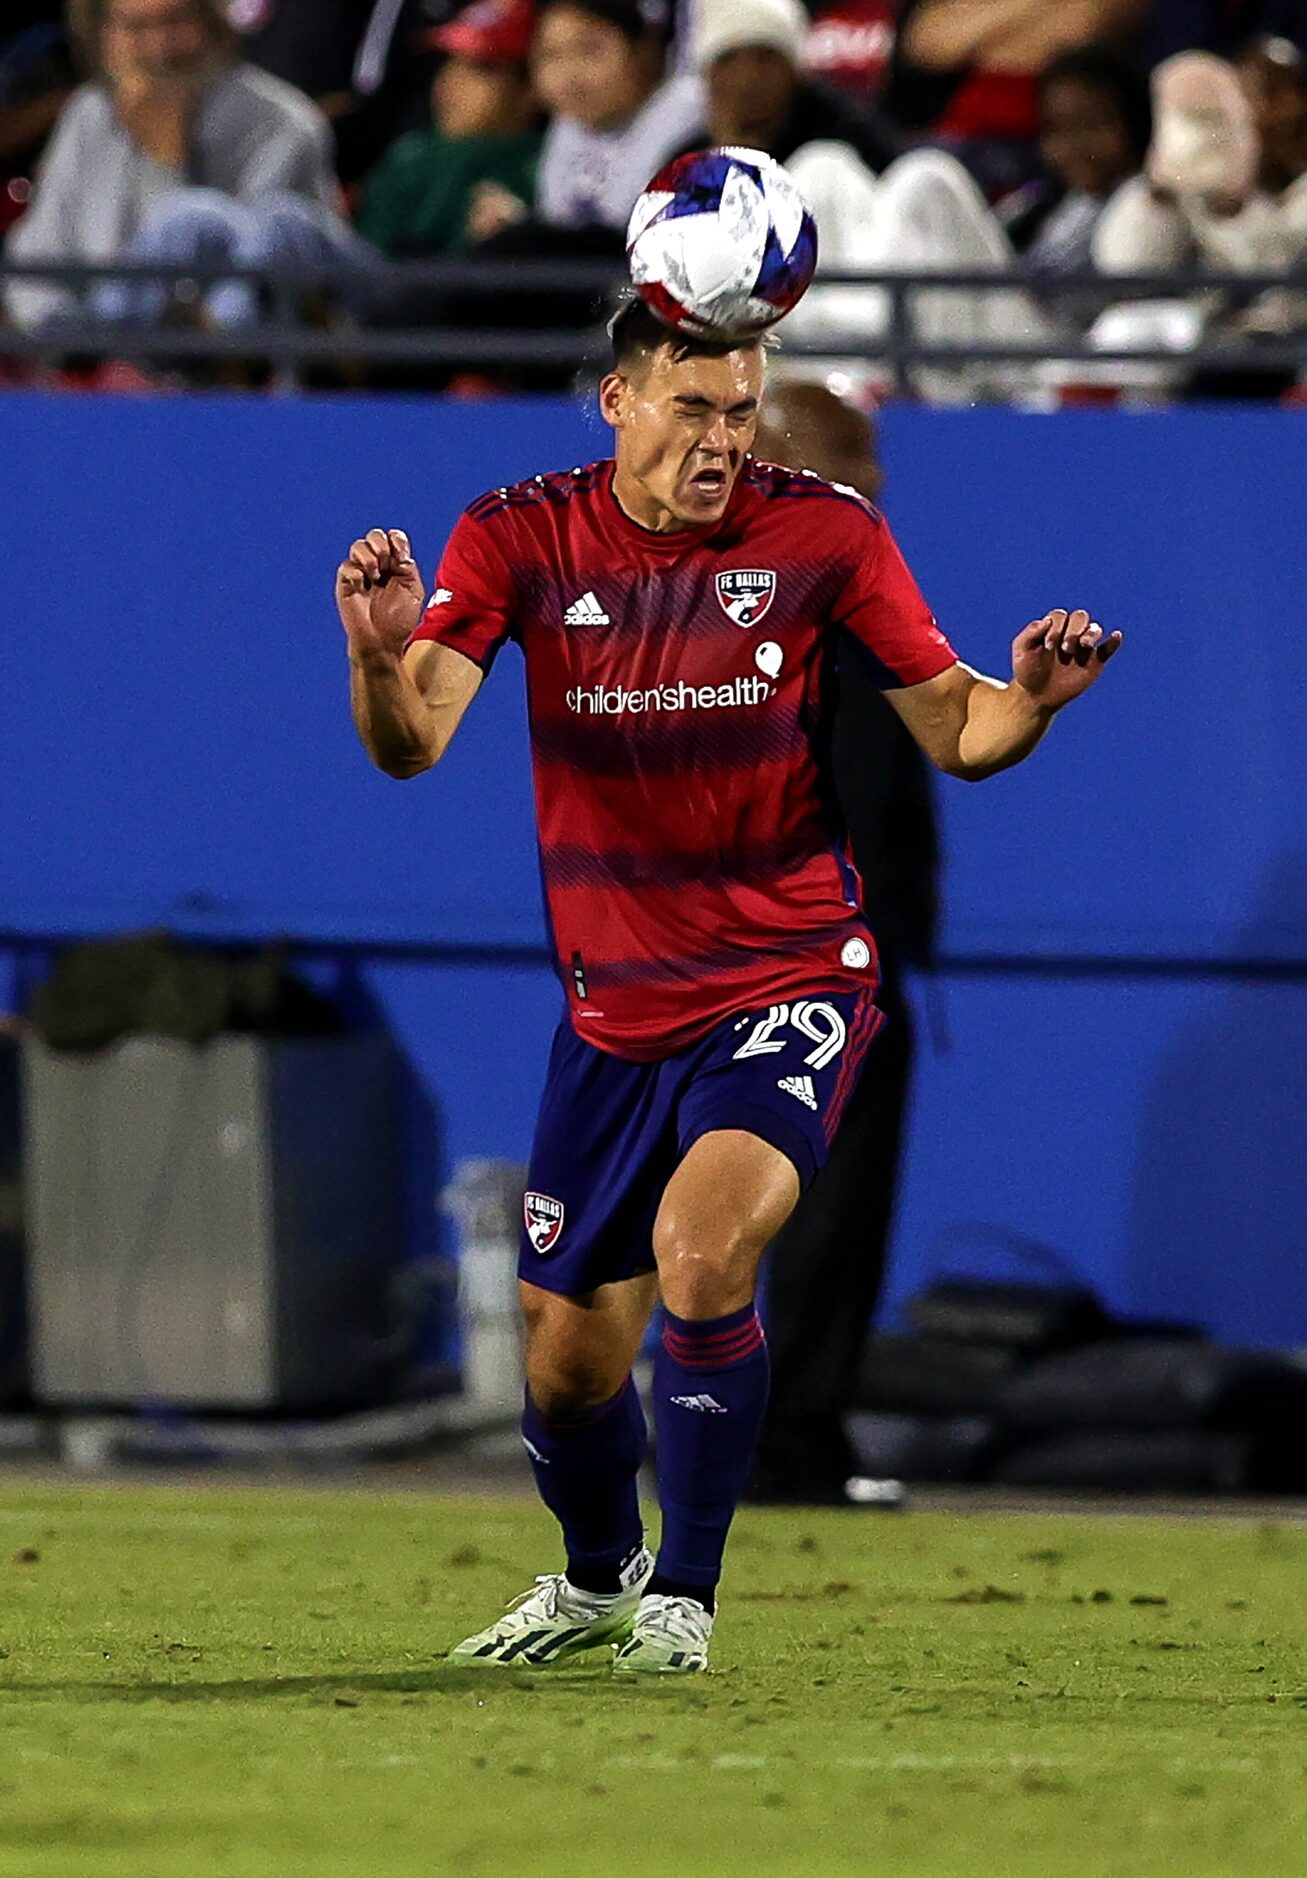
680,688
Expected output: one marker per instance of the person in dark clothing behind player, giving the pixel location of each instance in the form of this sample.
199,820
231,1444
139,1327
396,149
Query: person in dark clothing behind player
675,606
826,1266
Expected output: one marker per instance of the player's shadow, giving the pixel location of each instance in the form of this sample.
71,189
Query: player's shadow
440,1679
1219,1194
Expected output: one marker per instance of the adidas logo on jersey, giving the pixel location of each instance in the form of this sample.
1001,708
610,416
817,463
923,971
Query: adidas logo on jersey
800,1086
701,1404
586,612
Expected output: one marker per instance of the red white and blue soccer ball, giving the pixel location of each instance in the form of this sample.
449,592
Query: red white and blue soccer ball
721,243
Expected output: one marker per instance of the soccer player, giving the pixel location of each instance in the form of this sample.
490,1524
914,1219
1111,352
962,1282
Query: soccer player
681,610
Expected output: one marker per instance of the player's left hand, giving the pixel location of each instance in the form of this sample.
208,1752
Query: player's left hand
1058,657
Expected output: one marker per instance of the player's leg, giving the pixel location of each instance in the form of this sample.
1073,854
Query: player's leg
756,1117
603,1149
584,1431
583,1426
731,1194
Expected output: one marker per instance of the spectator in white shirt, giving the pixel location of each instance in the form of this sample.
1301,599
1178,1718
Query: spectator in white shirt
599,70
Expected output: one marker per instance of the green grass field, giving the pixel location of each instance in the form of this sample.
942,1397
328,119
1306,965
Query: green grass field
230,1683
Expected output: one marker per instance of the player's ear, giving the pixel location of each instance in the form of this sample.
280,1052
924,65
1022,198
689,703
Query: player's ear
614,396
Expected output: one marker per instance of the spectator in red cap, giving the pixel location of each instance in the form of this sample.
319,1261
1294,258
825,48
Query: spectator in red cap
473,172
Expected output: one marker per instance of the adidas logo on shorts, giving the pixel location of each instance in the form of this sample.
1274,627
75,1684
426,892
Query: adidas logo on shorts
702,1404
800,1086
586,612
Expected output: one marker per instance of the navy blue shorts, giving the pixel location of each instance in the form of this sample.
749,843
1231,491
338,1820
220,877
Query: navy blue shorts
611,1133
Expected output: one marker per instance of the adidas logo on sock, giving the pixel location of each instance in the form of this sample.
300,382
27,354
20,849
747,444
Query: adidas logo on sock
702,1404
800,1086
586,612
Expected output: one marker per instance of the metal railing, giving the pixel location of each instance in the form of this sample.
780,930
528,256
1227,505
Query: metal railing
290,346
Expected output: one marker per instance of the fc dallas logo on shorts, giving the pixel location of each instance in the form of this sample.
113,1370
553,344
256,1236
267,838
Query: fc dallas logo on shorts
746,593
544,1221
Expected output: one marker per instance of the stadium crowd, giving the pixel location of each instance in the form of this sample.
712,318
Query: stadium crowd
332,140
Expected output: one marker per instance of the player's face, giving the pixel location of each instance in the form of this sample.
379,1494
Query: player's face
684,426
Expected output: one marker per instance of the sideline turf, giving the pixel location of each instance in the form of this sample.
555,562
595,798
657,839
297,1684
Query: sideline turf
248,1685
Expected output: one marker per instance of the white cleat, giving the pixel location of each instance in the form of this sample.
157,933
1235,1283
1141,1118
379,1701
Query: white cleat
668,1638
556,1620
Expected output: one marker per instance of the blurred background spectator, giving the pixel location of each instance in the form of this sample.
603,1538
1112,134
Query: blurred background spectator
1204,201
967,71
1203,196
172,111
617,114
472,171
1095,125
927,213
751,55
1271,71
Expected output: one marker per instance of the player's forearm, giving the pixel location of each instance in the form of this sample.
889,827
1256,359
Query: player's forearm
391,717
1003,724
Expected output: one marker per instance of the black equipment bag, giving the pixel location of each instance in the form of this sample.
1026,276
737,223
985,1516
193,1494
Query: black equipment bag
149,982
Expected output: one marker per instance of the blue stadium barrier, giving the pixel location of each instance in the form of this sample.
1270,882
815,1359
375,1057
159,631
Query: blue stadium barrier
1116,1067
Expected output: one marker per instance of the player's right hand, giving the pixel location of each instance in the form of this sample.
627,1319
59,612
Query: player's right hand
379,593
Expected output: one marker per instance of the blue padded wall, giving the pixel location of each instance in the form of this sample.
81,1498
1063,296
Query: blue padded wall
1121,1072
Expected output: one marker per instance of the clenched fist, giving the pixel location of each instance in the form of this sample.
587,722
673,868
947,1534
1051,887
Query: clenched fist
379,594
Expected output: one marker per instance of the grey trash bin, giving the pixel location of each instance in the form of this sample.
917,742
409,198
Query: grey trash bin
212,1226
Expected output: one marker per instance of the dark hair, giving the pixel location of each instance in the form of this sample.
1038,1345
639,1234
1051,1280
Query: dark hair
1106,71
625,15
637,332
86,23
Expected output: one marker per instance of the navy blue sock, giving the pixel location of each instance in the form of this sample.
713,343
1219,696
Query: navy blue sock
586,1468
710,1392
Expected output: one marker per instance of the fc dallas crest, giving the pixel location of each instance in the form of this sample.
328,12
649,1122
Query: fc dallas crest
746,593
544,1221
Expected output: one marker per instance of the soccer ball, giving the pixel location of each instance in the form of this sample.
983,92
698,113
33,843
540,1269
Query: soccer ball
721,243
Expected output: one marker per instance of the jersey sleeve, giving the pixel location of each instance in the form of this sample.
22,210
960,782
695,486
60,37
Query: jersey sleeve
471,609
883,609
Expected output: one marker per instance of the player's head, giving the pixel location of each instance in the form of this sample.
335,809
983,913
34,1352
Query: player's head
683,412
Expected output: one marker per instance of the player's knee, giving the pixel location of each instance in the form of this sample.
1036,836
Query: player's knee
562,1385
705,1275
566,1374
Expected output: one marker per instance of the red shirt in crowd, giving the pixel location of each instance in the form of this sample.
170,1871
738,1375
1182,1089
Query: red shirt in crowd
680,693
